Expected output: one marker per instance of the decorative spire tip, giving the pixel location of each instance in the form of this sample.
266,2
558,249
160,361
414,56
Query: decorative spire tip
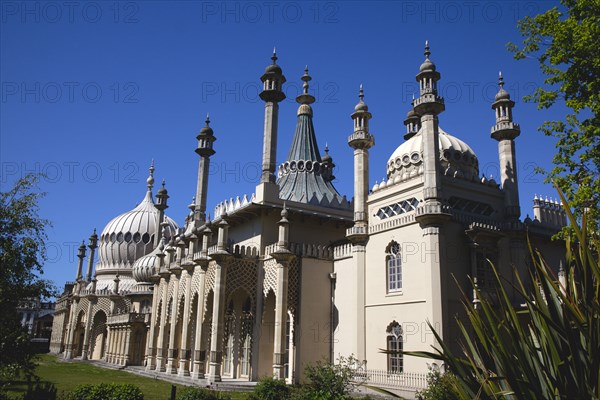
427,52
274,56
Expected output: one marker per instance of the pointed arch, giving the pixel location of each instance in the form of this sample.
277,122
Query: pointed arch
393,263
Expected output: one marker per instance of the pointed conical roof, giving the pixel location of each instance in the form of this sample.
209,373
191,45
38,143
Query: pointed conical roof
304,177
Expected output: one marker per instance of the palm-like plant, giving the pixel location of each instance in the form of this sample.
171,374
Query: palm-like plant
546,348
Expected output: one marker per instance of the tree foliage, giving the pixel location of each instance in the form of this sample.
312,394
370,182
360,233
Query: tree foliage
547,349
22,254
564,40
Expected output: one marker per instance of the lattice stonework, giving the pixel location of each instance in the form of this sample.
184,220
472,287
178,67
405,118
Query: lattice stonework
294,285
242,274
209,283
195,282
182,284
171,288
270,282
104,304
399,208
81,306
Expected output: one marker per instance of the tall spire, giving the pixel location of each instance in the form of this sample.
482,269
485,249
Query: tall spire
428,106
205,150
361,141
273,80
505,131
305,177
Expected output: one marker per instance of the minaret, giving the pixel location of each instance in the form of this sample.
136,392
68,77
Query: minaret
428,106
430,214
81,256
361,141
205,151
505,131
272,94
412,121
161,204
92,245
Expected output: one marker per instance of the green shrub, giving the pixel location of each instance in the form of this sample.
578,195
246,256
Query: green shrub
269,388
195,393
439,386
329,381
105,391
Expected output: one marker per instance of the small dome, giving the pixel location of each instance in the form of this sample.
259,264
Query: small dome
455,156
273,69
502,95
361,106
145,267
131,235
427,65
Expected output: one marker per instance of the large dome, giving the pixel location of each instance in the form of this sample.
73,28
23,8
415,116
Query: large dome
131,235
456,157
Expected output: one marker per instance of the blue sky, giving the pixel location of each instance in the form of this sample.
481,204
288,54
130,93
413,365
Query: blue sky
92,91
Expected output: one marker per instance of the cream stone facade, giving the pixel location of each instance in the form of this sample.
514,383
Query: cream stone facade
296,272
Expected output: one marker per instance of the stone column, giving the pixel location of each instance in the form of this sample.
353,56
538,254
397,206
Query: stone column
184,360
218,316
281,302
222,259
150,350
160,355
86,335
71,333
126,347
283,257
200,268
171,367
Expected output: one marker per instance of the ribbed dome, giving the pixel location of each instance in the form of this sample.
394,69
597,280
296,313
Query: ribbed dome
145,267
131,235
456,157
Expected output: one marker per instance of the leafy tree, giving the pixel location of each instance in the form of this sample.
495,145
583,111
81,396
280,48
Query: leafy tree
564,40
22,253
547,349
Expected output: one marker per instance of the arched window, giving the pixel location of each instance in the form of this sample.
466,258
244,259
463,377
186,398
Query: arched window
395,362
394,267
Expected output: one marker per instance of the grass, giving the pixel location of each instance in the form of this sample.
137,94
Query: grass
67,375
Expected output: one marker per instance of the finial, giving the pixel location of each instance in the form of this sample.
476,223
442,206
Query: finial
284,211
207,120
150,180
427,52
326,148
500,80
361,93
163,183
192,205
306,77
274,56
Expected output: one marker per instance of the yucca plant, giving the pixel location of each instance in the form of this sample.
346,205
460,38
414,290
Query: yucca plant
546,348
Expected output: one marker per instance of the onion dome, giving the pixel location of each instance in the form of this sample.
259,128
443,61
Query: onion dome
273,68
502,94
147,266
456,157
361,105
131,235
427,65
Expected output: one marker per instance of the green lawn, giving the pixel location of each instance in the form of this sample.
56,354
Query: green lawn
67,375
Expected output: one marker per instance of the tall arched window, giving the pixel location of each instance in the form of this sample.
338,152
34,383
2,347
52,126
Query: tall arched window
394,267
394,347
